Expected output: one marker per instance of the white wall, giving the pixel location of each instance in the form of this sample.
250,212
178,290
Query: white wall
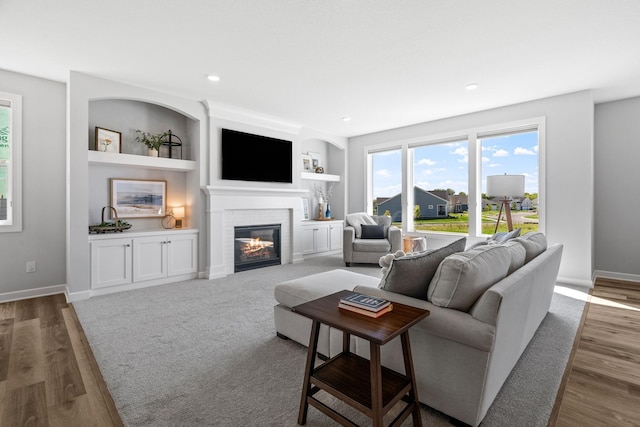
43,191
617,150
569,169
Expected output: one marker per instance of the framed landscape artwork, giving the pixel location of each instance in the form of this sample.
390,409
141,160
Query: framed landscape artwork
138,198
109,141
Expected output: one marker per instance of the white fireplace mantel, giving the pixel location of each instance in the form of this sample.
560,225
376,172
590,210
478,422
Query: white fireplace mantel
223,202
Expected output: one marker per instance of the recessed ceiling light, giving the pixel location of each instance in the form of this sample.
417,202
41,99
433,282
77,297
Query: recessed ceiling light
213,78
346,119
472,86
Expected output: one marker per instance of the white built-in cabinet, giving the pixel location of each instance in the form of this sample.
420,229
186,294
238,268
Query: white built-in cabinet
143,258
110,262
321,237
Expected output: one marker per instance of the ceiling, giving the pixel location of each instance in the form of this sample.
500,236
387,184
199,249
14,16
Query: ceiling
383,63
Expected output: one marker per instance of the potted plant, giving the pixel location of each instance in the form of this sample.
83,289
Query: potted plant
153,141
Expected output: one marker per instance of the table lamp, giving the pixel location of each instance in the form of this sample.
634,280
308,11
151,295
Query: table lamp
505,186
178,213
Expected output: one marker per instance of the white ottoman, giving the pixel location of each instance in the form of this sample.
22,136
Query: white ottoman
298,291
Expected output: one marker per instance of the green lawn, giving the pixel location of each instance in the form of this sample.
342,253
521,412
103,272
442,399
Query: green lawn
459,223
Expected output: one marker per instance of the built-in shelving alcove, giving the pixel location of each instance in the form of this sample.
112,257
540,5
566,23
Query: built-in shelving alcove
131,160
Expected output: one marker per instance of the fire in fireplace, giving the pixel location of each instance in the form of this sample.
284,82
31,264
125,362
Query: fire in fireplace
256,246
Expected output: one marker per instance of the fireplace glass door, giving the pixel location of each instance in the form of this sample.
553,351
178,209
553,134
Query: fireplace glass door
256,246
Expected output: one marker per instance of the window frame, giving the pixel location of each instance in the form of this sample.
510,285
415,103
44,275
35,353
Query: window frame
14,224
473,136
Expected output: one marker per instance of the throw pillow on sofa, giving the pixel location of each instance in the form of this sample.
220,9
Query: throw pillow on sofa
534,243
463,277
503,236
517,253
411,274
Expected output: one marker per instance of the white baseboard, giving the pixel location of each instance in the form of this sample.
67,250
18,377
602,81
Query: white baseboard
140,285
575,282
78,296
616,276
215,272
33,293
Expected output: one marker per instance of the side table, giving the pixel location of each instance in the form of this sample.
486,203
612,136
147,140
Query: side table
414,244
363,384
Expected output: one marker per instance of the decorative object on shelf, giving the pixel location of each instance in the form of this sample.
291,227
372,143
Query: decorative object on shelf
319,169
327,213
110,227
306,163
168,221
172,141
109,141
138,198
323,197
316,161
178,213
305,208
153,141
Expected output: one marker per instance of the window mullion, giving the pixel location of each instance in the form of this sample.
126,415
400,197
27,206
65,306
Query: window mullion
475,185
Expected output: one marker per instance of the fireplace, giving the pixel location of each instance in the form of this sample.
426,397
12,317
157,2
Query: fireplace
256,246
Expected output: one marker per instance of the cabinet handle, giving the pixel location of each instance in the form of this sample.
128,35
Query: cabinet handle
169,241
127,245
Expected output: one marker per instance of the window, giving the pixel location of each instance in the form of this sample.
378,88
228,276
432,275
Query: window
440,176
386,184
514,154
10,163
446,178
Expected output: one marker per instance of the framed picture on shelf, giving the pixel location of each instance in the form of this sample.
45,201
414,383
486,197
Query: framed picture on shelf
305,208
138,198
316,161
306,163
109,141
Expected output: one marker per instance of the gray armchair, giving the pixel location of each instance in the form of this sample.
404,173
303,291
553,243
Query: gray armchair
368,248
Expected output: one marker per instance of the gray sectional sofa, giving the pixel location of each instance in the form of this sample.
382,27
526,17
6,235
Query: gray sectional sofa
486,303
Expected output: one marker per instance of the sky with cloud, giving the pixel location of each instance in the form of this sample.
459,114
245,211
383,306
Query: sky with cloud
447,165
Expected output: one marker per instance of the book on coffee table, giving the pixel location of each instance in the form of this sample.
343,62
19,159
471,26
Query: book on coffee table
364,312
365,302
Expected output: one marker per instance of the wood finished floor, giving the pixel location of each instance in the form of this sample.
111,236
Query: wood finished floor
49,377
601,385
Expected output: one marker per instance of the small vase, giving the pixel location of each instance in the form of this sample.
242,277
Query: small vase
327,214
152,152
320,211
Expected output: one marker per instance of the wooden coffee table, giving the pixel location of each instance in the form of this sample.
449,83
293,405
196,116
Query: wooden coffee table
365,385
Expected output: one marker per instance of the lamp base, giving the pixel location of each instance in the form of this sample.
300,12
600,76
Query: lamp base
178,223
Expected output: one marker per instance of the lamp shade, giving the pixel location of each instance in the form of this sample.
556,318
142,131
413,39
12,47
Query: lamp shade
505,185
178,212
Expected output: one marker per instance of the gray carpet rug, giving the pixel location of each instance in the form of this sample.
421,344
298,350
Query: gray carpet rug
205,353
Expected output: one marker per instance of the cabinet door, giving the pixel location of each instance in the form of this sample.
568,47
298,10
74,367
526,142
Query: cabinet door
110,263
336,236
182,254
149,258
308,240
322,238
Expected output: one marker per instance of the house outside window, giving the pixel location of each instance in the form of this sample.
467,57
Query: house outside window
10,162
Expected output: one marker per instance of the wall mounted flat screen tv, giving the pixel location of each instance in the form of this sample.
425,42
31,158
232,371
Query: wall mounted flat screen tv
248,157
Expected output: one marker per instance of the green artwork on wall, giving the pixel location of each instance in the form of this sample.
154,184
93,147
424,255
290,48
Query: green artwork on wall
5,122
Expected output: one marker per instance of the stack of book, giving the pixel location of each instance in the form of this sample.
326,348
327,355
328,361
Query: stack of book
364,304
